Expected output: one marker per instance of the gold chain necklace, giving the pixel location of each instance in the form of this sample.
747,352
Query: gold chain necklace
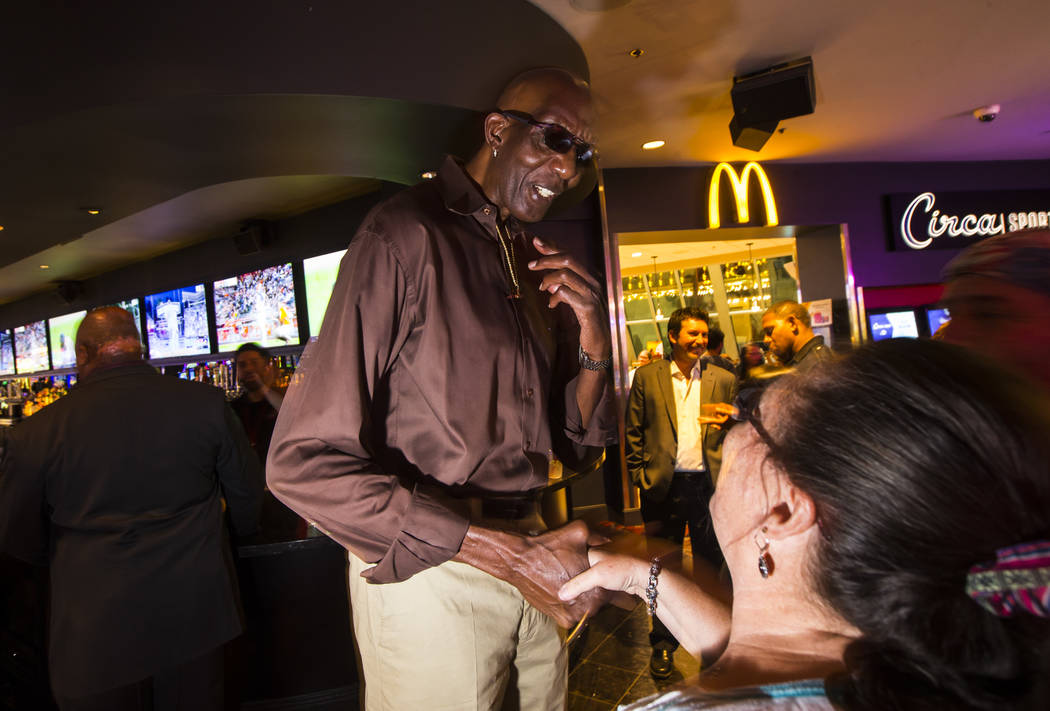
509,262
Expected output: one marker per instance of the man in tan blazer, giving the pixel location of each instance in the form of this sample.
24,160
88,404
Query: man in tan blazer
672,456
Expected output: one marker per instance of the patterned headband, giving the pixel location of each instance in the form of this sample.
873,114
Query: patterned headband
1018,581
1021,258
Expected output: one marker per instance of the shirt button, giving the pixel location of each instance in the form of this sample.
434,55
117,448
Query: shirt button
528,393
487,210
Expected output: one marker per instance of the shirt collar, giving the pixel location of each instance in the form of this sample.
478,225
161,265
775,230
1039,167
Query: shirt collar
463,196
117,370
804,350
698,369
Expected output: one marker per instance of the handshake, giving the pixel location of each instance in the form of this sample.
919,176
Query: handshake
542,566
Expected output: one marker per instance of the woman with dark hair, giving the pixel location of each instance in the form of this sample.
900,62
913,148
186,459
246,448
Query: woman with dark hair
886,523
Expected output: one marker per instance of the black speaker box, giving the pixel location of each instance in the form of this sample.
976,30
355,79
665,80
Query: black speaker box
70,291
751,137
253,237
774,94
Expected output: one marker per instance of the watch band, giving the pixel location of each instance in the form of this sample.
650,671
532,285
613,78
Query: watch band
586,362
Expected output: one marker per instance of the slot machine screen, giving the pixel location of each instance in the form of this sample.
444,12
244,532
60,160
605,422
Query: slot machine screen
893,324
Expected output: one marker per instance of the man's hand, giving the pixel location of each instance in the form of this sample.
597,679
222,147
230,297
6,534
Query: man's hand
537,566
569,283
715,413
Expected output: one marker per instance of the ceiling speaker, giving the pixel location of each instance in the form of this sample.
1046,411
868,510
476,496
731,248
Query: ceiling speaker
253,237
70,291
775,93
751,137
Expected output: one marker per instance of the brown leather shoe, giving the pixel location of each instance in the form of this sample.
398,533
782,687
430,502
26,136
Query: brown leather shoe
661,665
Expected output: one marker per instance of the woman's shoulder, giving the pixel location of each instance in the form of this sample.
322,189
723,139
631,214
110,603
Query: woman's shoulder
793,696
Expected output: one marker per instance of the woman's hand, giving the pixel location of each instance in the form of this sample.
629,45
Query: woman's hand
609,571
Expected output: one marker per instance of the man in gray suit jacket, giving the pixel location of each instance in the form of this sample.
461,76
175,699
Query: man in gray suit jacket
674,457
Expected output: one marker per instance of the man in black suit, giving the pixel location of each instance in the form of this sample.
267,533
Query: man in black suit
119,488
674,449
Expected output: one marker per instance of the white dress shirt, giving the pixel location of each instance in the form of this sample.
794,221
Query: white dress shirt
690,455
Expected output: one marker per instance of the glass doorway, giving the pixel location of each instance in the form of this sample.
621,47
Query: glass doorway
735,281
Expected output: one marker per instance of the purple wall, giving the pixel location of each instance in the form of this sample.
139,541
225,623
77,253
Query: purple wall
819,194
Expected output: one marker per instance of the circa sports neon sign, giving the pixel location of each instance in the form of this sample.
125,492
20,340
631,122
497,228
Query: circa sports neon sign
739,183
920,210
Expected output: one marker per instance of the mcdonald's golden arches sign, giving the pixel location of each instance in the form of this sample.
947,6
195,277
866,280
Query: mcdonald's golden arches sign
739,183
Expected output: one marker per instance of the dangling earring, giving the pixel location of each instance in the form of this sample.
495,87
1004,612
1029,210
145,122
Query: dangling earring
765,561
494,153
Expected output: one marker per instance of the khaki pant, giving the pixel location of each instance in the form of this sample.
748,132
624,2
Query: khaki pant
453,637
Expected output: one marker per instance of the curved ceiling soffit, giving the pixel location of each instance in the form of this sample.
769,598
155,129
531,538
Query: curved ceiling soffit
456,53
162,117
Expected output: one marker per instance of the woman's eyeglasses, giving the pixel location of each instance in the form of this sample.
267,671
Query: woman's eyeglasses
556,137
745,409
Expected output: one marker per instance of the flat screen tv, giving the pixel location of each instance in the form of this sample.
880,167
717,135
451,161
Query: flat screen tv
257,307
320,273
893,324
63,336
133,308
7,353
936,318
177,322
31,348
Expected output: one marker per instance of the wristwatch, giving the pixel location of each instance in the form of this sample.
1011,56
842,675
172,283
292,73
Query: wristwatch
586,362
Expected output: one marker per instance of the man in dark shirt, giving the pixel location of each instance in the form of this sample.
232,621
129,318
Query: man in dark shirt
258,405
449,371
789,335
118,488
716,341
257,409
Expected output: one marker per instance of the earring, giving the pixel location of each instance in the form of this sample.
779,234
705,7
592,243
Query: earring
765,561
494,153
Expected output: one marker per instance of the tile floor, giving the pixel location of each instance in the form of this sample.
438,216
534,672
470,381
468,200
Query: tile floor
610,664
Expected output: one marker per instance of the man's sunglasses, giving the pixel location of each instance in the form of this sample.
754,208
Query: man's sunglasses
558,138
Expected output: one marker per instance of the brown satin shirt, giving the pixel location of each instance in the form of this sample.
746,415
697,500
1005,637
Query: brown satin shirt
428,384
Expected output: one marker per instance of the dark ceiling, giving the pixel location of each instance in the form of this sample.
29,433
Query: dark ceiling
164,114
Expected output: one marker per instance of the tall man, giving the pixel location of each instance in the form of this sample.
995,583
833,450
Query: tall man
672,456
118,486
789,334
448,371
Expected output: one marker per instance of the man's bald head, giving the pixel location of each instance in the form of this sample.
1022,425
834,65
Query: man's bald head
536,88
107,335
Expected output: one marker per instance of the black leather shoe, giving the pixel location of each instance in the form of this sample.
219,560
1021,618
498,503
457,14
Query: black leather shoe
661,665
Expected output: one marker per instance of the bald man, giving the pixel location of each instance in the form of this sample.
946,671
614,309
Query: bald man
118,487
789,335
458,355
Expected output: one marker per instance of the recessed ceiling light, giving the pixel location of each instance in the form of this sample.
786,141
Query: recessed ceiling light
428,174
92,210
652,145
1,228
636,52
45,266
636,254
